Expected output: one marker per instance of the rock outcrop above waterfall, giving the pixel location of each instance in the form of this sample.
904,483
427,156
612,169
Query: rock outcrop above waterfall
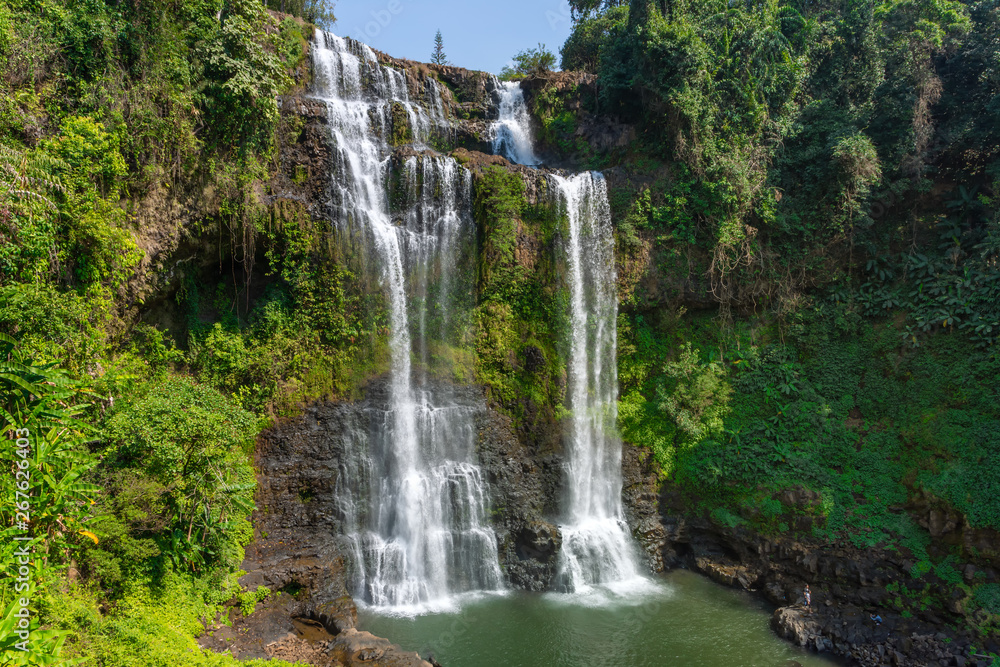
470,92
468,97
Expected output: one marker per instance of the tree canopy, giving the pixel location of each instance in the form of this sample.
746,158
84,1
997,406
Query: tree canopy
529,62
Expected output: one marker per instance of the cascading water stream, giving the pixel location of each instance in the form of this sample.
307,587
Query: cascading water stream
412,498
596,546
512,130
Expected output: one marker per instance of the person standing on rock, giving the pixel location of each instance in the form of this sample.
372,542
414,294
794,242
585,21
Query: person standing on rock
807,595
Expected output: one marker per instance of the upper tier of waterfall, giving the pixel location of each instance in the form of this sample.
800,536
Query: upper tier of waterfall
512,129
361,92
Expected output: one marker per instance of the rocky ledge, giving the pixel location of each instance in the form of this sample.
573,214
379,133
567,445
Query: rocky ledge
848,585
309,616
848,631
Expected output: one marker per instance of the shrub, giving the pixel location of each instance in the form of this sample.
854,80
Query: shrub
698,400
195,443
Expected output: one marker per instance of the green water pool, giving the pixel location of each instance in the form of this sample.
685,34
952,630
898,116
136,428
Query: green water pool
680,619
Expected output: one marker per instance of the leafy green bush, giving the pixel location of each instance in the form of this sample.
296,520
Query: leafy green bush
987,596
29,190
249,599
971,480
242,78
95,242
724,517
51,324
92,157
697,396
195,445
151,626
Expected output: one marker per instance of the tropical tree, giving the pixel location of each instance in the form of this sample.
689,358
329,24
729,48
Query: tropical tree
699,396
191,444
530,62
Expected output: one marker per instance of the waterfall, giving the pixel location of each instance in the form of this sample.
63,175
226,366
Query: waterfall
512,130
596,545
412,498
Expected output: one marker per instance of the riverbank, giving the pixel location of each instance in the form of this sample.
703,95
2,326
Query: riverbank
848,585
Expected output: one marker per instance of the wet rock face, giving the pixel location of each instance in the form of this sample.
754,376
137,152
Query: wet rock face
305,155
641,504
524,487
297,521
578,92
299,518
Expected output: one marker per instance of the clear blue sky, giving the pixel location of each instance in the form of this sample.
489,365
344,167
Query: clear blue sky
478,34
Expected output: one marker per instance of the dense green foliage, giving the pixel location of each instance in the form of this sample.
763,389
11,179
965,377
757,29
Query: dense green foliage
142,482
522,309
823,176
781,141
187,449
